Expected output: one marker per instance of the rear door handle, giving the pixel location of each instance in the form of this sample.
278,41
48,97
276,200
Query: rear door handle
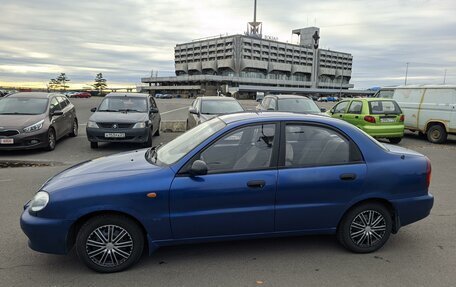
256,183
348,176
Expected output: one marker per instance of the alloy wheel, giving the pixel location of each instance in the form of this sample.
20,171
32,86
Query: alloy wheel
51,138
109,246
368,228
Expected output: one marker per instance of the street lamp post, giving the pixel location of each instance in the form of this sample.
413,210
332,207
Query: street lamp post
406,73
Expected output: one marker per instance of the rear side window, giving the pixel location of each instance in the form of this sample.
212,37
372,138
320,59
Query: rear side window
355,107
384,107
307,145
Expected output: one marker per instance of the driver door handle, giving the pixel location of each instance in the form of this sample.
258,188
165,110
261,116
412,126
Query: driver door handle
348,176
256,183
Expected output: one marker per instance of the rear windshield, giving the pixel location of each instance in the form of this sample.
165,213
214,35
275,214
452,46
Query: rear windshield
218,107
384,107
23,106
298,106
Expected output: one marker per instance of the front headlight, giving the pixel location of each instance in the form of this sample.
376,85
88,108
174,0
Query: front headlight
91,124
139,125
34,127
39,201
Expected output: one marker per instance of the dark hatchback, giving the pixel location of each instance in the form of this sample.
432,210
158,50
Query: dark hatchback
35,120
124,117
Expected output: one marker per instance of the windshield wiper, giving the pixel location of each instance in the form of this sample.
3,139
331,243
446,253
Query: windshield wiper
130,110
108,110
16,113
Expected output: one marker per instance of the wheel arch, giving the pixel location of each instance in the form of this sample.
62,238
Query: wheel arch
435,122
76,226
394,214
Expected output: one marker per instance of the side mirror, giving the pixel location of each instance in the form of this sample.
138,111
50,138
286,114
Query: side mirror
153,110
199,167
93,110
193,111
323,110
57,113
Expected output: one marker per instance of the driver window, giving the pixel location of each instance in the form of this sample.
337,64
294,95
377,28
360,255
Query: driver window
272,105
248,148
54,106
340,108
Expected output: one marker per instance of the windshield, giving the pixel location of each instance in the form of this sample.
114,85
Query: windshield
23,106
298,106
384,107
220,107
180,146
123,104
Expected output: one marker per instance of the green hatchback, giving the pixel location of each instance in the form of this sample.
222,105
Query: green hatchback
380,118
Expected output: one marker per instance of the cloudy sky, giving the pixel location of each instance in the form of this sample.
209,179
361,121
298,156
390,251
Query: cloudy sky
127,39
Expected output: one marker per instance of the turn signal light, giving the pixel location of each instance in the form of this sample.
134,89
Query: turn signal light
369,119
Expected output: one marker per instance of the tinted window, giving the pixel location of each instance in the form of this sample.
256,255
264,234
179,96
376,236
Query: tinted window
220,107
384,107
119,104
340,108
355,107
152,102
54,106
298,106
62,102
23,106
314,146
247,148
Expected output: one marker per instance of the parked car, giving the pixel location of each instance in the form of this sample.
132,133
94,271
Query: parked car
290,103
322,99
81,95
158,96
35,120
167,96
380,118
124,117
206,108
239,176
430,110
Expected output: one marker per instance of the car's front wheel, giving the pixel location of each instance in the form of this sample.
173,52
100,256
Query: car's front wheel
109,243
365,228
395,140
51,138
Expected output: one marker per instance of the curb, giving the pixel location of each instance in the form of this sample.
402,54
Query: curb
173,126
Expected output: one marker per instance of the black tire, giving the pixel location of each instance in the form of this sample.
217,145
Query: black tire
394,140
52,140
74,129
107,254
148,143
350,232
436,134
93,145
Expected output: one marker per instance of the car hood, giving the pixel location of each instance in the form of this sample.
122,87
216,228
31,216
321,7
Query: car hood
19,121
400,150
118,117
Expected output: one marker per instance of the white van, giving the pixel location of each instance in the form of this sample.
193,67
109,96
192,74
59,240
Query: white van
428,109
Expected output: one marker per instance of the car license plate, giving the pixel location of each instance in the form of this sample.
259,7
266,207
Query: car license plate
114,135
6,141
387,120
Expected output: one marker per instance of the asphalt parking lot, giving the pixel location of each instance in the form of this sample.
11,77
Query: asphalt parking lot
423,254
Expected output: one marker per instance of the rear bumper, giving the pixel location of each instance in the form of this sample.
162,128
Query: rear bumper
23,141
396,131
131,135
44,234
413,209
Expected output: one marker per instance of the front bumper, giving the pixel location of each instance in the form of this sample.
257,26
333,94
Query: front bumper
131,135
44,234
22,141
412,209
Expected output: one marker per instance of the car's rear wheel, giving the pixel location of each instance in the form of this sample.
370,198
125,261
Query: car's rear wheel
74,129
51,138
395,140
94,145
109,243
365,228
436,134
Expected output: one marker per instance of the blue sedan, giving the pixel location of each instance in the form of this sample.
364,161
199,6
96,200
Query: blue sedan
238,176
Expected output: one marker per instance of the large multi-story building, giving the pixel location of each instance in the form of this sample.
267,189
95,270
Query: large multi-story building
242,65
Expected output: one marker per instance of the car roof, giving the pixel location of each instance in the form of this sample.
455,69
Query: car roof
127,95
279,97
38,95
274,116
215,98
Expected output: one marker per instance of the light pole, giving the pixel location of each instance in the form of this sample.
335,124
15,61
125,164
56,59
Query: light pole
444,77
406,73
